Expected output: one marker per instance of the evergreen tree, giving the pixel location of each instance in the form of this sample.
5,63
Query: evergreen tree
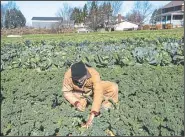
14,18
93,16
4,8
85,12
77,15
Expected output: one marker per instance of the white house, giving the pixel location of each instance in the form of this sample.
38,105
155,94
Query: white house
125,25
118,23
172,13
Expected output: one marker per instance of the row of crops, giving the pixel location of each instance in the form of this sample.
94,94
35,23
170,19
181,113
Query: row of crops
151,104
149,73
46,55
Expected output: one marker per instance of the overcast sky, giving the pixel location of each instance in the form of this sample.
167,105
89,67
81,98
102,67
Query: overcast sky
49,8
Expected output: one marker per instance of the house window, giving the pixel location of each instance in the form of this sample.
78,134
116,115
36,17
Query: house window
177,8
163,18
177,17
171,9
168,17
163,11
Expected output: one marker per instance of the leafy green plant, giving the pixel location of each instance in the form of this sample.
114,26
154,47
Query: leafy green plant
100,54
150,103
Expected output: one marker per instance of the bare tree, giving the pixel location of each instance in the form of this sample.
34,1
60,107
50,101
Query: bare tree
65,11
155,16
134,16
116,6
144,9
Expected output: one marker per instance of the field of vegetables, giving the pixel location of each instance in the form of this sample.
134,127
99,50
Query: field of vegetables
148,68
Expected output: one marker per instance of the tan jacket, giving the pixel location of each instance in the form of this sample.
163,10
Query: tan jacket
94,82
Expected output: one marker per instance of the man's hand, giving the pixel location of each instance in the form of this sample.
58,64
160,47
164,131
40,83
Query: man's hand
89,122
81,104
86,125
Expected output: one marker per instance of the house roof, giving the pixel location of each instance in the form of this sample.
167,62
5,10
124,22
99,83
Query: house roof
127,21
47,18
68,22
173,4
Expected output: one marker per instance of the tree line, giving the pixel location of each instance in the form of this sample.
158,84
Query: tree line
95,14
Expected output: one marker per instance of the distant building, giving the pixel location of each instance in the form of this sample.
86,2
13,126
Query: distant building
51,22
80,25
125,25
121,24
83,30
118,23
119,18
172,13
109,23
45,22
67,24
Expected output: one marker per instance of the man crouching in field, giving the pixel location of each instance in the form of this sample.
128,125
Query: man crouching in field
81,79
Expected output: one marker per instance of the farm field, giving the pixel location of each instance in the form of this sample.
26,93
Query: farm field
147,65
97,36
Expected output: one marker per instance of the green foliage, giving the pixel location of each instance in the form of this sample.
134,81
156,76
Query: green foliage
4,8
149,73
77,15
85,12
150,103
45,55
14,18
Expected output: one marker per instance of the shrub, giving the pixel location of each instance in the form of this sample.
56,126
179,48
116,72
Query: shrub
146,27
158,26
168,26
153,27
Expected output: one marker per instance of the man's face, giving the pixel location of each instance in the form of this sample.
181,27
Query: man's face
80,81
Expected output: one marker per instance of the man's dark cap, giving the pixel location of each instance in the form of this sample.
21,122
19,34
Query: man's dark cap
78,70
